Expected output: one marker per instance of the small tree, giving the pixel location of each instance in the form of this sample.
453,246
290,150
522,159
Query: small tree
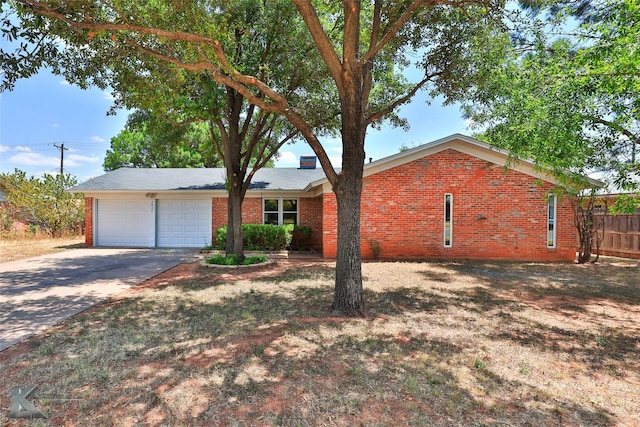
6,217
46,201
568,99
583,205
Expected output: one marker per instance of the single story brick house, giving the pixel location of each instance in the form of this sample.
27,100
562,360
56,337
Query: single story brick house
449,199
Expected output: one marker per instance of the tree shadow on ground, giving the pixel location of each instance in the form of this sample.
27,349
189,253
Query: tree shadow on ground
587,283
273,358
509,290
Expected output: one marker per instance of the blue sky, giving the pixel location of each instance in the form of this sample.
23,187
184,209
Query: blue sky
45,110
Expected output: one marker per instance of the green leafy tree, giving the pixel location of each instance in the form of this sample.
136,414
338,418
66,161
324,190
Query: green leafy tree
148,141
378,41
46,201
169,76
245,138
361,47
569,102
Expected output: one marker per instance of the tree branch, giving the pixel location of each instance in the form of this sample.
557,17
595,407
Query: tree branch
88,23
389,108
635,139
324,45
406,15
367,66
224,74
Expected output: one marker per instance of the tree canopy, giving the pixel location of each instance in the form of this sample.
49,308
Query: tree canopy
568,98
158,56
148,141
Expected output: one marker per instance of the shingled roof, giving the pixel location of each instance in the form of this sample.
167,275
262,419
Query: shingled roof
169,179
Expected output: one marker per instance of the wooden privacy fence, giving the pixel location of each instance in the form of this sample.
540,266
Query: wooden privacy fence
621,234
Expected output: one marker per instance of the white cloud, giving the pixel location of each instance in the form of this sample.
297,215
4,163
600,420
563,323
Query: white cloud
97,139
55,125
287,159
108,95
336,161
28,158
4,148
23,149
76,159
65,83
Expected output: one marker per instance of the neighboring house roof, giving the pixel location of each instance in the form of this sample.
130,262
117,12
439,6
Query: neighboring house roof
613,189
293,179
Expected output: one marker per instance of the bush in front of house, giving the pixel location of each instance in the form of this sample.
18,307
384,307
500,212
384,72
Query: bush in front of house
301,240
235,260
259,237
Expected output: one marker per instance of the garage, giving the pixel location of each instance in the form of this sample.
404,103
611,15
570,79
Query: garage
124,223
167,223
183,223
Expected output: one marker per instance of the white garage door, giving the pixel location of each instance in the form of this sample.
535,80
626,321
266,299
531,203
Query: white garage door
184,223
125,223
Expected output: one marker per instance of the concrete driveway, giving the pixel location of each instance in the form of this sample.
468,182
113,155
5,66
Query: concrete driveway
40,292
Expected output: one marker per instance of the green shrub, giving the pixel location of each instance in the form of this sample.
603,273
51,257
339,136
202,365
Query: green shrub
235,260
259,237
301,238
221,237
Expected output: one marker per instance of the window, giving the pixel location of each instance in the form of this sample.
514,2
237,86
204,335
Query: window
280,211
448,215
551,221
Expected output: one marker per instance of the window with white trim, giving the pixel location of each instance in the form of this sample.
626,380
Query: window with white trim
280,211
551,221
448,220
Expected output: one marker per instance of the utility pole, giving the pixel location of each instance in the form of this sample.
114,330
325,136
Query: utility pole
62,149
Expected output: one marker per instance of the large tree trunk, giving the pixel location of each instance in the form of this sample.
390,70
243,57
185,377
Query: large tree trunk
235,174
583,217
348,297
235,244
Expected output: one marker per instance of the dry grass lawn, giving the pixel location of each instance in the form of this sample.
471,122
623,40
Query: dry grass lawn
16,249
445,343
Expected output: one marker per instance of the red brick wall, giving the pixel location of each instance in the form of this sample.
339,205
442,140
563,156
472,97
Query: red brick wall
88,221
310,215
251,212
405,218
329,225
18,223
